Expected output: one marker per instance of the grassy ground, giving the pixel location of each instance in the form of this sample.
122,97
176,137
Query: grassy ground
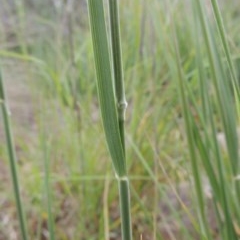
48,69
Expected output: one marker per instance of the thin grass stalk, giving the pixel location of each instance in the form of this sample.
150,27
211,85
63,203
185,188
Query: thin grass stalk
125,208
117,66
121,107
13,161
112,99
105,208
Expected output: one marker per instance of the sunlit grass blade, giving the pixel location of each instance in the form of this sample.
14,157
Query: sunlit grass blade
12,160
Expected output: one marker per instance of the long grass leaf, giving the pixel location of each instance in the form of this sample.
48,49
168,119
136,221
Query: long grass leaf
105,85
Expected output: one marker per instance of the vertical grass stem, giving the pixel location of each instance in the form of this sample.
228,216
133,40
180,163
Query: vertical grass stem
125,208
121,107
117,65
12,159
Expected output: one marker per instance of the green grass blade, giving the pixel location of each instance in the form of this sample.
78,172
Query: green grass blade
105,86
13,162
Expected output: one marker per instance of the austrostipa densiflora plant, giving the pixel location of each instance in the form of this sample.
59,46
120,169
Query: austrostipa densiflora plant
111,97
12,160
